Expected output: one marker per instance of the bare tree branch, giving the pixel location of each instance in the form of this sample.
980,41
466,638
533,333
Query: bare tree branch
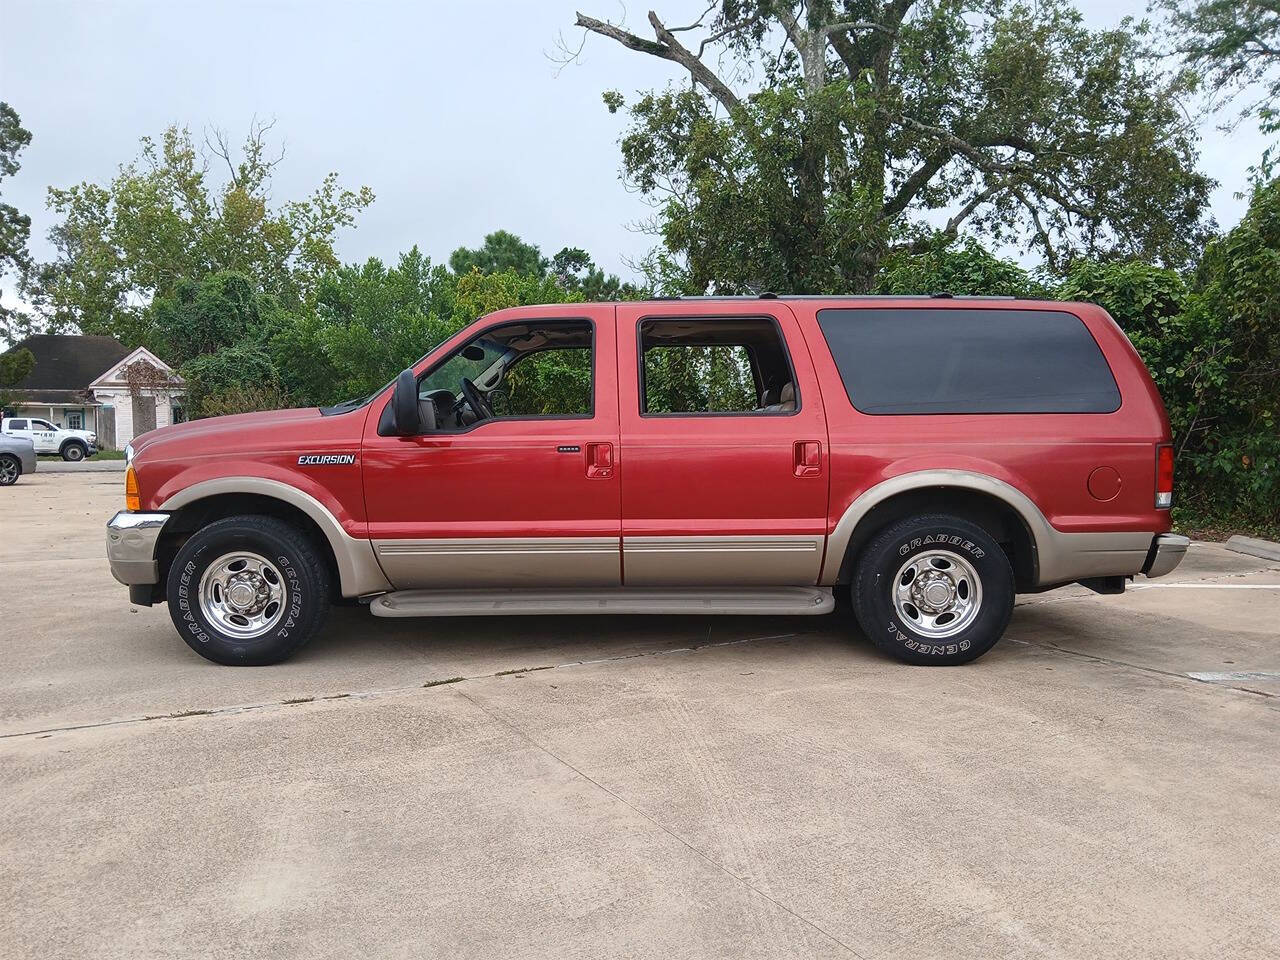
666,47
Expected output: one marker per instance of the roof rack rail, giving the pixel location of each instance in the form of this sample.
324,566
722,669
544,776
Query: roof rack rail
768,295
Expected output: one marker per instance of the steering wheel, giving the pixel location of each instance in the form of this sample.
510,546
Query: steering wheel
476,401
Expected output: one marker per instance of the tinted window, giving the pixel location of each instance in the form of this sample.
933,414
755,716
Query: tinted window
17,424
969,361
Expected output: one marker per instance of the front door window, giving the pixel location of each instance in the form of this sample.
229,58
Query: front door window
536,369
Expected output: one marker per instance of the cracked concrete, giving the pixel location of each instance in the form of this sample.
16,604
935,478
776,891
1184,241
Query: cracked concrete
1105,783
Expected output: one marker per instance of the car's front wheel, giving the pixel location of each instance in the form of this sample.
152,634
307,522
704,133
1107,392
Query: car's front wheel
74,452
10,469
934,590
248,590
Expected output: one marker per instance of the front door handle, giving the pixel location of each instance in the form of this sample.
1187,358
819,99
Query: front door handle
808,458
599,461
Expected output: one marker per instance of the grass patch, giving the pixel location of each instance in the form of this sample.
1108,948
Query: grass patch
507,673
293,700
1219,525
100,455
440,683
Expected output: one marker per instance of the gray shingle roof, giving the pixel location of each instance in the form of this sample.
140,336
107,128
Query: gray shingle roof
68,362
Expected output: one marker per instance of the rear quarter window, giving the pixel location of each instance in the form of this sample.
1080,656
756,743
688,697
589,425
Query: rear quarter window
968,361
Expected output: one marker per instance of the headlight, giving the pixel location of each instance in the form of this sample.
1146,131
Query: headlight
128,454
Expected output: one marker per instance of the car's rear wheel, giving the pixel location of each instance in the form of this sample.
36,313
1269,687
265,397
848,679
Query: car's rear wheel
934,590
74,452
248,590
10,469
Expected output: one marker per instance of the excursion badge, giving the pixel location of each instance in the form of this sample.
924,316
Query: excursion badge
326,459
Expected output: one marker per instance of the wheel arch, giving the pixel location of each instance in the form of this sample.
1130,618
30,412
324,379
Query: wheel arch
1006,513
73,442
352,566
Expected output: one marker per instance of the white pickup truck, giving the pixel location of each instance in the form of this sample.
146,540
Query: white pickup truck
69,444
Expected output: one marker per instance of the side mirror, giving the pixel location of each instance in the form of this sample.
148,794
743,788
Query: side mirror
404,406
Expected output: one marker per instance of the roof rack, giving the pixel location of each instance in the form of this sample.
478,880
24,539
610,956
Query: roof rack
767,295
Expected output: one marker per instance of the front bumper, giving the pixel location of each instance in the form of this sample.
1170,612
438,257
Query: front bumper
131,546
1167,551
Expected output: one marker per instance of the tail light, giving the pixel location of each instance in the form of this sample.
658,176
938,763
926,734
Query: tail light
1164,476
132,500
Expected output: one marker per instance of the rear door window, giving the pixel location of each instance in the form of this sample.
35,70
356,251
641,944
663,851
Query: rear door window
941,361
721,365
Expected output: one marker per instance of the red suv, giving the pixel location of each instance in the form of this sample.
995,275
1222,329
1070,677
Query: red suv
931,456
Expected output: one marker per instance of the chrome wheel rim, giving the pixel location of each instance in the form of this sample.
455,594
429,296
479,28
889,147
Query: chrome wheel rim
75,453
937,594
242,594
8,470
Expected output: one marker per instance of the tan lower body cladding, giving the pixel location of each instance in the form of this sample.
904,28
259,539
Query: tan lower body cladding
599,561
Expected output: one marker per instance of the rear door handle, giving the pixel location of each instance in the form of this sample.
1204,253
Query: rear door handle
807,461
599,461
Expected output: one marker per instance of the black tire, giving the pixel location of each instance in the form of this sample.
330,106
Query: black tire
305,581
874,589
74,451
10,469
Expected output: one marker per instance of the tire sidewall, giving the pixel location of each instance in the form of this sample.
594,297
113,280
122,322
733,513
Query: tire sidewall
890,632
73,453
301,595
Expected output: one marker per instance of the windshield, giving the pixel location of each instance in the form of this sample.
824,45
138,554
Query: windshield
343,406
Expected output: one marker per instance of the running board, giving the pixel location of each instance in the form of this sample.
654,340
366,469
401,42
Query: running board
467,603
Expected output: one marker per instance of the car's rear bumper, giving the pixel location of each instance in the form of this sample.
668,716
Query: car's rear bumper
1167,551
28,459
131,546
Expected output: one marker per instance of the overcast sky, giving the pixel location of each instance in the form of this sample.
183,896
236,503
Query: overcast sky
451,112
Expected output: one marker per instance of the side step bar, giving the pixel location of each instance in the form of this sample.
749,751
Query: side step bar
468,603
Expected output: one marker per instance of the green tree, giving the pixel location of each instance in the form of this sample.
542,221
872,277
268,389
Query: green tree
1013,121
369,322
501,252
15,366
235,379
15,228
166,218
1233,44
574,269
204,316
1213,347
960,268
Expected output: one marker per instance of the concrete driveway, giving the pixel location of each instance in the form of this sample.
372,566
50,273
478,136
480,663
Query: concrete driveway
633,787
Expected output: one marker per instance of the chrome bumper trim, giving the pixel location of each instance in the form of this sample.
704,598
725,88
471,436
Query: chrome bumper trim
131,546
1167,551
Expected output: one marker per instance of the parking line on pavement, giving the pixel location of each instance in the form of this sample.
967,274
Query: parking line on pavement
1226,677
1206,586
